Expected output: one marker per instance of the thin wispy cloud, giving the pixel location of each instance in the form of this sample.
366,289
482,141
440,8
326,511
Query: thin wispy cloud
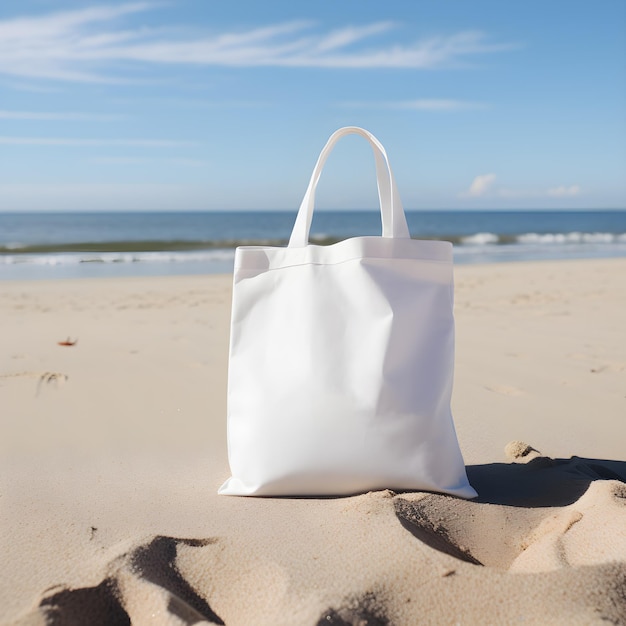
88,45
72,142
554,192
34,87
421,104
484,186
43,47
126,160
42,115
196,103
564,192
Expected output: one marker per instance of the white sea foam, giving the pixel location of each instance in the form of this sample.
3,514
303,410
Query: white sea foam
480,239
565,238
63,259
482,247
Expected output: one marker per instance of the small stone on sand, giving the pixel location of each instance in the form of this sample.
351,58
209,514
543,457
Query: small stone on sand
517,450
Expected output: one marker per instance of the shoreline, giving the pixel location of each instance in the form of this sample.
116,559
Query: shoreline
200,270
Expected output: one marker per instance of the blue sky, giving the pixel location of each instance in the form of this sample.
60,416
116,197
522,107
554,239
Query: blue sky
200,104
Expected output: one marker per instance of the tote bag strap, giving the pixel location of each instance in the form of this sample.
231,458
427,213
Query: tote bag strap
392,213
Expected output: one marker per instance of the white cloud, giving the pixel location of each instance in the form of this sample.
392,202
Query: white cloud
480,186
421,104
564,192
85,45
70,141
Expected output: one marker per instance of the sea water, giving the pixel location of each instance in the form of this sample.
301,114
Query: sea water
64,245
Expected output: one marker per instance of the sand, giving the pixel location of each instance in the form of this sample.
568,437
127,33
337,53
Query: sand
112,449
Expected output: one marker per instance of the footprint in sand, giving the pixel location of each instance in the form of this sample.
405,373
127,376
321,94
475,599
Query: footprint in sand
150,571
150,579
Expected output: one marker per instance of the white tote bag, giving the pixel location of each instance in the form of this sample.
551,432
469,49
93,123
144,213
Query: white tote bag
341,360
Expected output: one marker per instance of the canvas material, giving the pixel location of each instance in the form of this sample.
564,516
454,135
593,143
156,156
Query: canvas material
341,360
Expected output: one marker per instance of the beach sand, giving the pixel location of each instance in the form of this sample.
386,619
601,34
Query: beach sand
112,450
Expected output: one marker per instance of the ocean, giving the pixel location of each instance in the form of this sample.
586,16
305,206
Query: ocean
87,245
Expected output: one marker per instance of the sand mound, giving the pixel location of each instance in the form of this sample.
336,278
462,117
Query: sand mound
529,524
551,528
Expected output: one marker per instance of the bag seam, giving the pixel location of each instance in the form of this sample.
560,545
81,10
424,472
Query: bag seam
382,258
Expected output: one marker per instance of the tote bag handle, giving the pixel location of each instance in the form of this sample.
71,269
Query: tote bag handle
392,213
